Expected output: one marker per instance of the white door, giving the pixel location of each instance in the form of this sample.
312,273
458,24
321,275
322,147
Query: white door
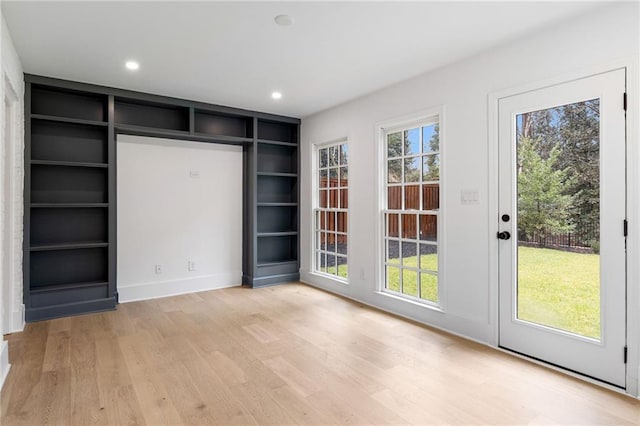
562,225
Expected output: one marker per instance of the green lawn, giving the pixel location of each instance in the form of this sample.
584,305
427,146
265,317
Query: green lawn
428,282
556,288
560,289
342,270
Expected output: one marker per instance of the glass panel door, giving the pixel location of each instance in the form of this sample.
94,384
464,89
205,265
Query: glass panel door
562,206
558,180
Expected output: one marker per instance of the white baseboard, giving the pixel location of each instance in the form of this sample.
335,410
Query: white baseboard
4,361
157,289
17,320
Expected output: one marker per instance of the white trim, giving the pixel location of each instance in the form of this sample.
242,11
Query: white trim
4,362
423,118
13,225
315,191
633,204
158,289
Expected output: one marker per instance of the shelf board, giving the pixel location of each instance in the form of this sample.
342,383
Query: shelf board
276,234
271,142
69,120
284,262
68,205
205,137
69,286
68,246
68,163
143,130
180,134
277,204
292,175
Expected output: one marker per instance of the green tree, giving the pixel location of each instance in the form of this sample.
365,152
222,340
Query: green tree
394,149
579,135
544,205
432,170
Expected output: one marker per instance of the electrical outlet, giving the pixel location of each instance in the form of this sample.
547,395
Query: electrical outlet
191,265
158,269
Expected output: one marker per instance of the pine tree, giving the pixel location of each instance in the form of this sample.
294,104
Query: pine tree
543,201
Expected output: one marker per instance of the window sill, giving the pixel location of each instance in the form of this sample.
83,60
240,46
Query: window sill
427,305
332,278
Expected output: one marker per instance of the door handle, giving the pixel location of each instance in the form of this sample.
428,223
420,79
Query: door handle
504,235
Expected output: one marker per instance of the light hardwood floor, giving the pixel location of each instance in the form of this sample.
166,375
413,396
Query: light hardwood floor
280,355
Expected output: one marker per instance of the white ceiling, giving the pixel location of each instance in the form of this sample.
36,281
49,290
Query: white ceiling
234,54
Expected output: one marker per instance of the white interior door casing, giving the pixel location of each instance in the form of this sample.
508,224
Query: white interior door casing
602,359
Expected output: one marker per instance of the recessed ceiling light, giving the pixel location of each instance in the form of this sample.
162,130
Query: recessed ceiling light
283,20
132,65
276,95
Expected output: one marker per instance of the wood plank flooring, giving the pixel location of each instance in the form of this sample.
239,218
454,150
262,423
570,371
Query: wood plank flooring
287,354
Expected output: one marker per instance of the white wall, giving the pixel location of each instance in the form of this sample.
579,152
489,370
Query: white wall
11,184
168,217
593,41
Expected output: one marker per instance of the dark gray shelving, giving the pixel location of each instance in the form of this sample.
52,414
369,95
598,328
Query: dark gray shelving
67,104
215,124
276,238
62,225
277,219
67,246
151,114
57,267
66,205
68,120
70,142
67,198
68,163
64,184
277,132
70,187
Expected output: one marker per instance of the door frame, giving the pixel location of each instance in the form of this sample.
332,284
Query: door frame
632,67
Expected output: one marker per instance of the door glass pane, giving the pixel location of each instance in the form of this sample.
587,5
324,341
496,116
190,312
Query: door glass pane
558,181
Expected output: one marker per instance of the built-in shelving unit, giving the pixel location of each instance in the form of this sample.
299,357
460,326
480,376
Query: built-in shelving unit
277,242
67,195
70,188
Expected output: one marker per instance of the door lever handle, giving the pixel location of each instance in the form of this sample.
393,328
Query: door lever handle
504,235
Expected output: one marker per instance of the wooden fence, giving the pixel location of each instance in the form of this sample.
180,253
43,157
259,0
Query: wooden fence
427,225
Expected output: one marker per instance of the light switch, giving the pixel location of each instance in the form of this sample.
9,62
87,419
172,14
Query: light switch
469,196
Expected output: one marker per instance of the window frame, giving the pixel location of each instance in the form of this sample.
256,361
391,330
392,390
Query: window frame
316,209
425,118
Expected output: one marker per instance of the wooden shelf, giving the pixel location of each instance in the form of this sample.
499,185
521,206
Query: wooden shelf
68,205
131,129
284,262
68,246
281,143
277,234
291,175
69,286
68,163
277,204
68,120
229,140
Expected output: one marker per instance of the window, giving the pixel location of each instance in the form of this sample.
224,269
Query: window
411,209
330,214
